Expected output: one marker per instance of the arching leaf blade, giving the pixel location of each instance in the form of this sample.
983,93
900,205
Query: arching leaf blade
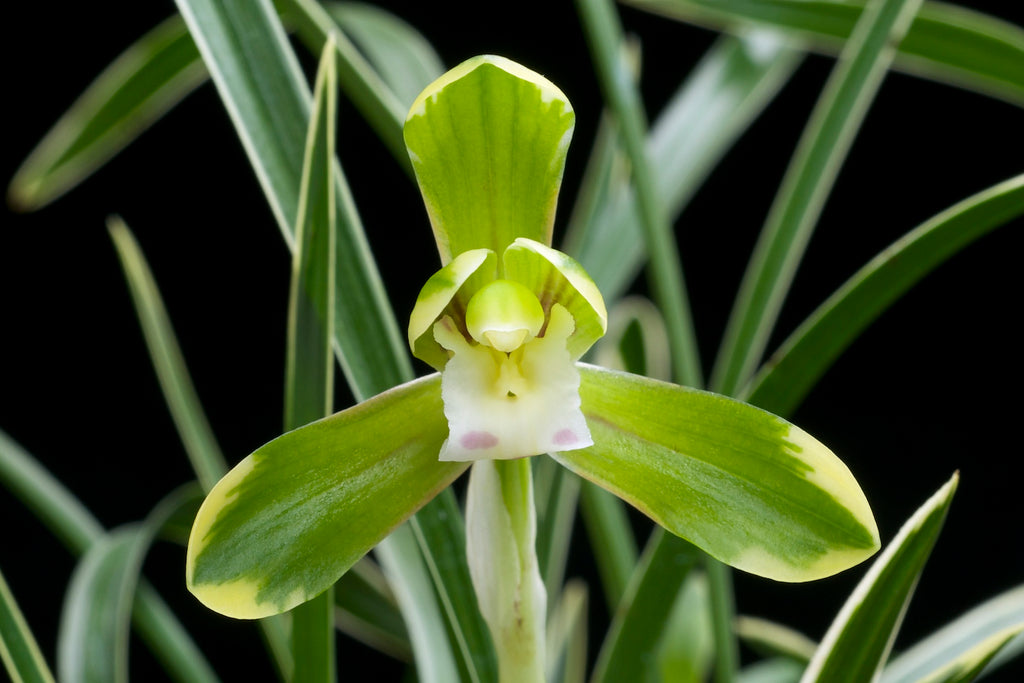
92,644
142,84
946,43
18,648
398,52
859,639
791,372
979,632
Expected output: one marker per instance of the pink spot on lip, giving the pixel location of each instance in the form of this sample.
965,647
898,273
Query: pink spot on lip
477,440
565,437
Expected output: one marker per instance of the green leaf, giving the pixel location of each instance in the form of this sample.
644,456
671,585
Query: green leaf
858,641
804,357
288,520
18,648
947,43
309,383
488,142
973,636
363,85
309,364
805,187
637,340
145,81
775,670
261,84
969,665
556,495
566,648
685,650
605,38
368,611
771,638
634,637
399,53
406,571
439,528
164,66
745,486
193,428
719,99
92,644
611,538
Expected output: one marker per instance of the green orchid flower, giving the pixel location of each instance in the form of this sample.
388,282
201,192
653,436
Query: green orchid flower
505,322
507,356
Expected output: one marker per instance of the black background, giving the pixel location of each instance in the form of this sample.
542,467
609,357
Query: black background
929,389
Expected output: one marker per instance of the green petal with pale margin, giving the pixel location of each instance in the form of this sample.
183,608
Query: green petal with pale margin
488,142
447,293
556,277
292,517
747,487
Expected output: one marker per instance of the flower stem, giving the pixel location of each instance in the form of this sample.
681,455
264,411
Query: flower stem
501,535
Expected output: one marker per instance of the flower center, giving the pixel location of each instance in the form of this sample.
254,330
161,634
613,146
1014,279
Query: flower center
504,315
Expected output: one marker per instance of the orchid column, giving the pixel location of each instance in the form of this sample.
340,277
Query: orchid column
505,320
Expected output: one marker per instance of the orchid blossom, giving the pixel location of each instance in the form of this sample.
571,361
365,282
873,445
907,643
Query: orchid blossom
505,322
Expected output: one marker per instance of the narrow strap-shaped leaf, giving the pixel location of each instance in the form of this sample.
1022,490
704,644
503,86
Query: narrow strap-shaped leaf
628,652
75,526
436,659
372,96
258,77
200,444
791,371
809,178
176,384
309,375
947,43
974,632
368,611
858,641
775,670
145,81
557,495
48,499
743,485
685,649
604,36
309,366
18,648
611,539
164,66
719,99
279,529
92,644
567,635
775,639
970,664
398,52
439,528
